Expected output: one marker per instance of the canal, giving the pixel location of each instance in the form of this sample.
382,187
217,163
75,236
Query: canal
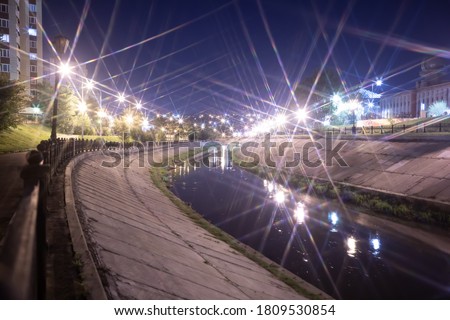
323,243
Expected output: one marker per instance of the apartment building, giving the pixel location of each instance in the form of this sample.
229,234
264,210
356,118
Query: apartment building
21,41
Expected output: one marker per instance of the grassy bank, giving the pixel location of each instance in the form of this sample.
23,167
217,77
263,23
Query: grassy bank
28,136
160,178
22,138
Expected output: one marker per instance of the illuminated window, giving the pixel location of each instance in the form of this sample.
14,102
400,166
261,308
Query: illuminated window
32,7
32,32
4,38
33,56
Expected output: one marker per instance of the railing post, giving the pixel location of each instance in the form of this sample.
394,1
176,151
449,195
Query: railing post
381,129
392,128
371,129
404,128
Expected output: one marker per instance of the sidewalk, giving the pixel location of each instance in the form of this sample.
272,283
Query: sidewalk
146,248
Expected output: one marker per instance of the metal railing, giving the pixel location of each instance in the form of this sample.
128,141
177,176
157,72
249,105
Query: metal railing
24,246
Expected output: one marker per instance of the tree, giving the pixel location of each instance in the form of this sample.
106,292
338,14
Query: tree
438,109
318,102
69,118
13,98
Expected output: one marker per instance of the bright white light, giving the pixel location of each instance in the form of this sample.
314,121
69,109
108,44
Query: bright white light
299,213
145,122
32,32
280,119
102,113
351,246
129,119
121,97
138,105
82,107
195,125
202,126
371,104
223,134
376,244
180,121
379,82
301,114
64,69
222,120
280,197
336,99
89,85
270,187
333,218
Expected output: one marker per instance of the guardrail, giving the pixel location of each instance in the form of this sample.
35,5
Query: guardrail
24,247
418,128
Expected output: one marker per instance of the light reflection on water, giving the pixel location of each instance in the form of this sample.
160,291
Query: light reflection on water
319,243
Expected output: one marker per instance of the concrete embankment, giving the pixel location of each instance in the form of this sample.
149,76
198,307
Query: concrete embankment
416,169
144,247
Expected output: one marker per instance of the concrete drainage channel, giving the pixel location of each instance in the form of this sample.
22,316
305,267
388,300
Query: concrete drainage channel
89,274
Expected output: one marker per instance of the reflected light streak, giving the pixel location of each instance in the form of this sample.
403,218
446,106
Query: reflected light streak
351,246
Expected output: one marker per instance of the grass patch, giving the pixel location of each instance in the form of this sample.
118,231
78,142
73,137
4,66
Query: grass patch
159,177
24,137
27,136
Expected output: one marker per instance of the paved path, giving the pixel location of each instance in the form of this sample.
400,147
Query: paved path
147,249
11,186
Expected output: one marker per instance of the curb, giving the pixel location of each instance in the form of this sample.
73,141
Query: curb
91,278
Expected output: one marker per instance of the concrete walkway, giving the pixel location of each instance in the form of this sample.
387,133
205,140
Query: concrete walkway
146,248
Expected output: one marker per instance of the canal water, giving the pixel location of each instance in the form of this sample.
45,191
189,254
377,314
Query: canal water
322,243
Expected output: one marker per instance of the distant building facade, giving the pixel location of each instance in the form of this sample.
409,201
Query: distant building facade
21,42
433,87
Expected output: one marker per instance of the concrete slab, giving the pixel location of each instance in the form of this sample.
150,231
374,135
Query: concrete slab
148,249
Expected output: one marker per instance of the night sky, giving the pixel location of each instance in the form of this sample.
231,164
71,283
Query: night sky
194,56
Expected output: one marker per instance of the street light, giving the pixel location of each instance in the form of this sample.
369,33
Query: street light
60,43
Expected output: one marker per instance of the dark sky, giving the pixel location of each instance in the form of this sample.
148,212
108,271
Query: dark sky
191,56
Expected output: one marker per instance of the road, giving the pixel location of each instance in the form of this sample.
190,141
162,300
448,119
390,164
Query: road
11,186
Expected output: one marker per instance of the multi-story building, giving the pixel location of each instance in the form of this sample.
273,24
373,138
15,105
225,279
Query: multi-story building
433,87
21,41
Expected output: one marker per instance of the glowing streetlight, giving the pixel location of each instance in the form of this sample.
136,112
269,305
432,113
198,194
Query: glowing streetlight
90,85
64,69
138,105
129,120
336,99
280,197
60,43
301,114
379,82
121,97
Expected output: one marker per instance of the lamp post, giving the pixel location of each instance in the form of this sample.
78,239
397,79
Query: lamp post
60,43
